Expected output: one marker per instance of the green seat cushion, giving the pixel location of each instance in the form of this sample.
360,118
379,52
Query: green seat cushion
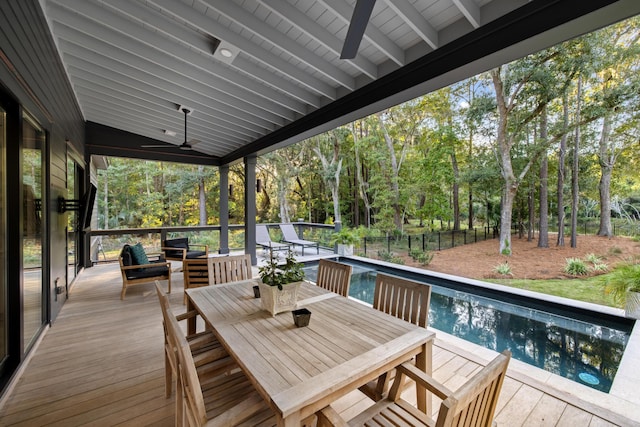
138,255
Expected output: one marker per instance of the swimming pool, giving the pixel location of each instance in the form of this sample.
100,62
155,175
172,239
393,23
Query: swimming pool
577,344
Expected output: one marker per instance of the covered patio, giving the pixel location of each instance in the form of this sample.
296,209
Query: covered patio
103,364
218,83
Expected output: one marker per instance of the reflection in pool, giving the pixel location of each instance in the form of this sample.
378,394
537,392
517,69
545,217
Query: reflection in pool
586,352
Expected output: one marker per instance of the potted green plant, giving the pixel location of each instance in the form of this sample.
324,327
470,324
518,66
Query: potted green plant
345,239
280,283
624,285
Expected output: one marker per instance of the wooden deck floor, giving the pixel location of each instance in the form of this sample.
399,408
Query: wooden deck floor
101,364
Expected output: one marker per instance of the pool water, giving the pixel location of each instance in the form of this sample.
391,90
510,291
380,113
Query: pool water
583,351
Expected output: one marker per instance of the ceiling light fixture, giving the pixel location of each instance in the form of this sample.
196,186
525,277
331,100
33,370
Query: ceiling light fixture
169,132
226,52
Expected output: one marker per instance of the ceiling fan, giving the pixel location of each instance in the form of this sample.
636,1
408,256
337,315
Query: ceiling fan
359,20
186,145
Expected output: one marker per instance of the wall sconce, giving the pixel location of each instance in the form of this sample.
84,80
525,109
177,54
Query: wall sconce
258,185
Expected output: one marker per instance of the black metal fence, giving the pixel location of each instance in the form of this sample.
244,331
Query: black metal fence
429,241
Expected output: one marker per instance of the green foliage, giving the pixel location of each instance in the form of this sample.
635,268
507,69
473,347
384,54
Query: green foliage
623,279
424,258
345,236
390,257
503,269
275,274
576,267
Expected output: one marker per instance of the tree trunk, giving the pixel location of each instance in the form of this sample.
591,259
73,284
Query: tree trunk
532,213
561,170
508,196
604,186
397,220
456,192
574,173
202,197
543,238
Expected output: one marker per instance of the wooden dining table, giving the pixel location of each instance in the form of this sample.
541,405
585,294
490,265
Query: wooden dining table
300,370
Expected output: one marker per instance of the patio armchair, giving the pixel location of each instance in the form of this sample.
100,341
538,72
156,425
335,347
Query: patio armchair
290,236
138,267
474,403
207,352
334,276
263,239
179,249
211,397
405,299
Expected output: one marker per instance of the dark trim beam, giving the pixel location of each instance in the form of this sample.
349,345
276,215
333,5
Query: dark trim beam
107,141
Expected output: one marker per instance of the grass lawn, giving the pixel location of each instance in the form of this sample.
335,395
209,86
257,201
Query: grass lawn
589,289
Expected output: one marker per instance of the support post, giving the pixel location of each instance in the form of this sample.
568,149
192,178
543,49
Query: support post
250,207
224,209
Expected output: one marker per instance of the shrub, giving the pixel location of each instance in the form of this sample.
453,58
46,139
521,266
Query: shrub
576,267
600,267
385,255
415,254
614,250
503,269
623,279
593,258
425,258
397,260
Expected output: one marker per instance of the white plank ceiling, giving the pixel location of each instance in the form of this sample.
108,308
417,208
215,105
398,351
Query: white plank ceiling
132,63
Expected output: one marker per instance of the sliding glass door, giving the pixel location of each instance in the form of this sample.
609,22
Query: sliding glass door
33,296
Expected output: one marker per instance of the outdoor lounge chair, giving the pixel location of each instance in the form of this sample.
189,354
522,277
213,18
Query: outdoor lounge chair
137,267
264,240
290,236
179,249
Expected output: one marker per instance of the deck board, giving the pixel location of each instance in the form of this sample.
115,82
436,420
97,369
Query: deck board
101,364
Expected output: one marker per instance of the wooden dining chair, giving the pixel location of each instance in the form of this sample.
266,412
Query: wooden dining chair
195,273
206,350
334,276
473,404
229,269
405,299
209,398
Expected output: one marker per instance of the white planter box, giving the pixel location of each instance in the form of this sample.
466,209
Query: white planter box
345,250
277,301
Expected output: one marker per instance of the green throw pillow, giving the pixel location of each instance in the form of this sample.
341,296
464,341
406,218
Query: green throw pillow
138,254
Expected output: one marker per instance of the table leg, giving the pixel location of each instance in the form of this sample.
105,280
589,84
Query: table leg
424,362
191,321
292,420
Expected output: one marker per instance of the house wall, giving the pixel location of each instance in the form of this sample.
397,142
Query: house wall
33,78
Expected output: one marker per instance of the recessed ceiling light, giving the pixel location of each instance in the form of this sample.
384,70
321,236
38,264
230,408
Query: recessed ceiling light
226,52
169,132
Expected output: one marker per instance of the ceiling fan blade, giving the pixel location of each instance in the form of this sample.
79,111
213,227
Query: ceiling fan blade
158,146
359,21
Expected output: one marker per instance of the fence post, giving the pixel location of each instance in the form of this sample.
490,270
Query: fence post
475,235
438,240
364,243
465,237
423,239
389,244
453,239
409,244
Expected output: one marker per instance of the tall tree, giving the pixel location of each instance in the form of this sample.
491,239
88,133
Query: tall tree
543,234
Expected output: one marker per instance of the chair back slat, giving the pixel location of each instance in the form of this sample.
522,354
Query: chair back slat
403,298
229,268
474,403
334,276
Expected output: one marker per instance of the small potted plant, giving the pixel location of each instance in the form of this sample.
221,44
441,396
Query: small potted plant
624,285
345,239
280,283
